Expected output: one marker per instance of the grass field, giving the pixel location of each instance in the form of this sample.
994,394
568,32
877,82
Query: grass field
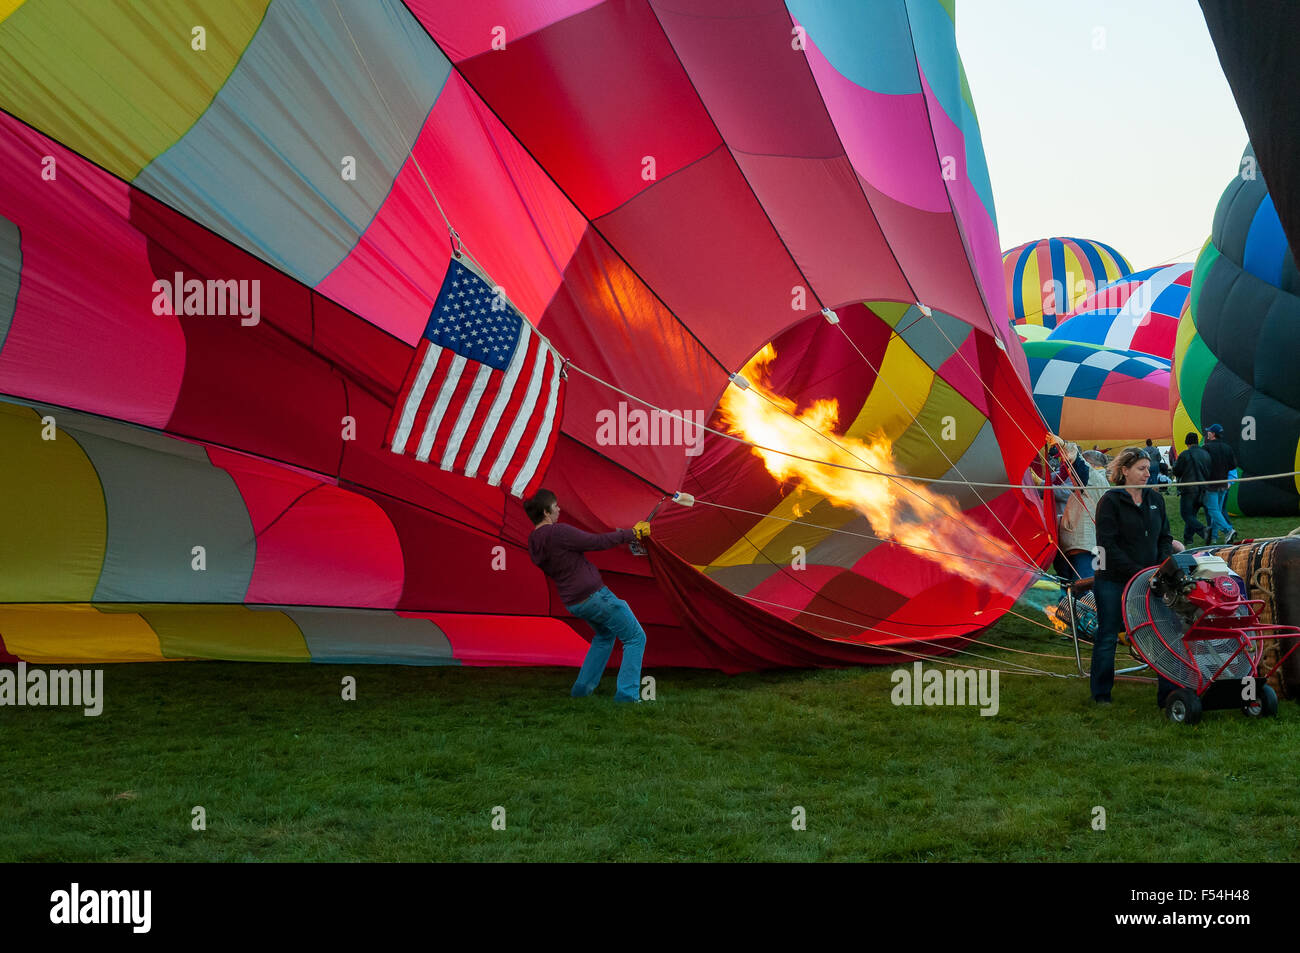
712,770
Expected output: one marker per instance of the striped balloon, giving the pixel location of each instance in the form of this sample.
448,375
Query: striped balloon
1047,278
1139,312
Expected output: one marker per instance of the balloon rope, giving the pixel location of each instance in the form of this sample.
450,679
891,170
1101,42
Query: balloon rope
1041,625
1020,669
1242,479
845,532
925,430
786,453
1007,648
902,481
1033,442
846,466
849,532
1029,565
457,244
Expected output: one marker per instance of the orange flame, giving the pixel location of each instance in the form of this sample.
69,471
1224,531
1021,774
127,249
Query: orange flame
900,510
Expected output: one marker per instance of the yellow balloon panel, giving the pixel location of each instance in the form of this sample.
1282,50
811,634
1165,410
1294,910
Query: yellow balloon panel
944,430
67,633
900,391
161,83
52,512
749,547
1182,426
230,632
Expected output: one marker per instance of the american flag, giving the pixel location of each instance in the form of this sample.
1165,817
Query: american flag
484,394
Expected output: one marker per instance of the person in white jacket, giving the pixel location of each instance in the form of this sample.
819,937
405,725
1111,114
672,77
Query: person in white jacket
1078,526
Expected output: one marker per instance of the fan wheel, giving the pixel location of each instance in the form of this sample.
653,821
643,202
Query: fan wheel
1183,707
1264,705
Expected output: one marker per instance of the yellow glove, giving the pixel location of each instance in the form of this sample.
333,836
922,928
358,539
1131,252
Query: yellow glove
642,529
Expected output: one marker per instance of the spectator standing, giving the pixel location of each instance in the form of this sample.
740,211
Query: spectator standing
1079,523
1153,455
1222,460
1132,534
1192,466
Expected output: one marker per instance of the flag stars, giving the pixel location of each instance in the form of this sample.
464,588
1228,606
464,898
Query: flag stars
471,319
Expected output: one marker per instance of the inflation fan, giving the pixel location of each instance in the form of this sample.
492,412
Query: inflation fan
1190,620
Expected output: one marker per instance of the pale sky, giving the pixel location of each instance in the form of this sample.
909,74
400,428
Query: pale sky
1130,143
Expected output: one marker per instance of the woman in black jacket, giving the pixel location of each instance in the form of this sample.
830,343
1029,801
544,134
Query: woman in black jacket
1132,534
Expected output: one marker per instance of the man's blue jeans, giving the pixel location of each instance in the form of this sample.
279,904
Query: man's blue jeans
611,618
1214,509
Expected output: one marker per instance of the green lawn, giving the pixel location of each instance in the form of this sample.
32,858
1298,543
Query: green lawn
711,770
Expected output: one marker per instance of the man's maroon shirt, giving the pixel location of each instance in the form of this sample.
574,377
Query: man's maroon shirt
557,550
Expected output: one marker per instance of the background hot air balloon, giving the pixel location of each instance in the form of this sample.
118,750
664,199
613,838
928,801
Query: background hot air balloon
661,193
1234,362
1032,332
1257,53
1045,279
1099,395
1138,312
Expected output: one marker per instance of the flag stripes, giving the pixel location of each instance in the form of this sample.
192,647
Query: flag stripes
493,413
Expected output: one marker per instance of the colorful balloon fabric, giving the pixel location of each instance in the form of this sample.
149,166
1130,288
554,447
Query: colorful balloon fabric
221,234
1257,53
1139,312
1234,363
1098,395
1046,279
1032,332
